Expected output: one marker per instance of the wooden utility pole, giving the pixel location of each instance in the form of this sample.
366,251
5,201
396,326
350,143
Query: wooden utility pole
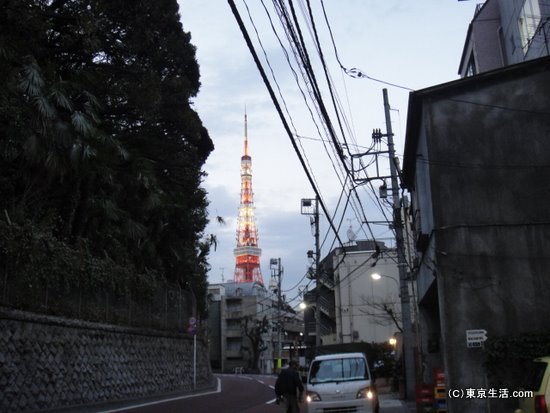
408,350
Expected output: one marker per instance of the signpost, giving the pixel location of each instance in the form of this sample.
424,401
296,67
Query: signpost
475,338
192,329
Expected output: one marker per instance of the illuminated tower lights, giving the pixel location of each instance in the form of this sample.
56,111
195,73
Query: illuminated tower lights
247,253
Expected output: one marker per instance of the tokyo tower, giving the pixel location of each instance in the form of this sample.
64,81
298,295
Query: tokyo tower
247,253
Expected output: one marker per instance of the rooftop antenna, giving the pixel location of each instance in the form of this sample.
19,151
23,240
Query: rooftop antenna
352,236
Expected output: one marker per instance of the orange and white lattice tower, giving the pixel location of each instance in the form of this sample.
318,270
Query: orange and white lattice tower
247,253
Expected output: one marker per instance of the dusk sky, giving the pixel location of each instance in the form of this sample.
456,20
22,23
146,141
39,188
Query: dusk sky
396,44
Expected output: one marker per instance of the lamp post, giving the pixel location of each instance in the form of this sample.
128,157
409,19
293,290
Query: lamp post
309,309
403,288
388,310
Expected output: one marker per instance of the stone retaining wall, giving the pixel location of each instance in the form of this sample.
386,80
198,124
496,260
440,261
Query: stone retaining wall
49,362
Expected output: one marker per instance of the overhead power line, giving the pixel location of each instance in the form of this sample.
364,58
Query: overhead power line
244,32
354,72
312,95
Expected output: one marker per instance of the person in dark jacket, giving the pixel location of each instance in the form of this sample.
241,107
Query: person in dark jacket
289,387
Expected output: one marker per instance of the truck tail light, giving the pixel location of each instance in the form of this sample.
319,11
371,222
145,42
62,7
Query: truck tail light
540,404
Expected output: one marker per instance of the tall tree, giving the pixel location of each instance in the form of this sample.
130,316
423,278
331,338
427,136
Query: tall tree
254,330
99,139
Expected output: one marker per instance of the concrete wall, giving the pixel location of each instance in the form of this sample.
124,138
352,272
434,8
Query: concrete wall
488,155
48,362
486,40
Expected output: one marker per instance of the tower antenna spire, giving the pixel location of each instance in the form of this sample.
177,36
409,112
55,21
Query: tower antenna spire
245,133
247,253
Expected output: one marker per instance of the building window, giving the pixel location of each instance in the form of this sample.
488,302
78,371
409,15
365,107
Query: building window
471,68
528,22
502,41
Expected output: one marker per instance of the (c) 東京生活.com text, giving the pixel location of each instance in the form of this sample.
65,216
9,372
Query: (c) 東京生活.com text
490,393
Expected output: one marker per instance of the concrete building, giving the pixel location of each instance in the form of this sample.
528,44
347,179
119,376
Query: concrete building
476,163
367,310
229,304
354,307
320,298
505,32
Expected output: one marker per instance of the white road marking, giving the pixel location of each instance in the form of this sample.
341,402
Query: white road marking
136,406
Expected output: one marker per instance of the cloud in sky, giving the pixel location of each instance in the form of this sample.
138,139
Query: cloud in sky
412,44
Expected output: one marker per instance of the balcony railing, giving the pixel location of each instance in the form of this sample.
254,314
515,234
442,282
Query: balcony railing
234,314
233,331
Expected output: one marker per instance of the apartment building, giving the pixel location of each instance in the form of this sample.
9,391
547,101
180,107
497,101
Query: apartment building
505,32
235,307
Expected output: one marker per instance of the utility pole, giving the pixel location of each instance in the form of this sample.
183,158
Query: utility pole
311,207
276,272
408,350
317,277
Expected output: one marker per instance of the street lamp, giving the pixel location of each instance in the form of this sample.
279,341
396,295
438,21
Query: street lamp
376,276
408,360
309,307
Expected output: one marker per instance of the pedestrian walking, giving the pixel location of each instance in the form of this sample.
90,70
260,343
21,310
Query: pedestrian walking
289,388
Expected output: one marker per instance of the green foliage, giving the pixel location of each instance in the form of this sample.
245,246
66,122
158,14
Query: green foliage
100,149
520,347
383,360
43,273
507,357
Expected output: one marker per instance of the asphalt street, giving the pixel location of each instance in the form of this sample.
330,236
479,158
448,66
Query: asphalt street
231,394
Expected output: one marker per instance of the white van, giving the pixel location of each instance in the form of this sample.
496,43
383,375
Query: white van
340,383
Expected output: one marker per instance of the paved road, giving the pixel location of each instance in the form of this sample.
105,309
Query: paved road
234,394
389,404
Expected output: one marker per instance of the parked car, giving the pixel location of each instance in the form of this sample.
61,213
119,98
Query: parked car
537,381
340,382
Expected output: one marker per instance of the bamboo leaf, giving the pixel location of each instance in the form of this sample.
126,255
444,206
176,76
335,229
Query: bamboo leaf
31,81
61,99
134,230
88,152
52,161
44,107
81,123
93,101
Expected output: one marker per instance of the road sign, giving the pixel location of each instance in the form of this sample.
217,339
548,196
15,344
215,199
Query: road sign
192,328
475,338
